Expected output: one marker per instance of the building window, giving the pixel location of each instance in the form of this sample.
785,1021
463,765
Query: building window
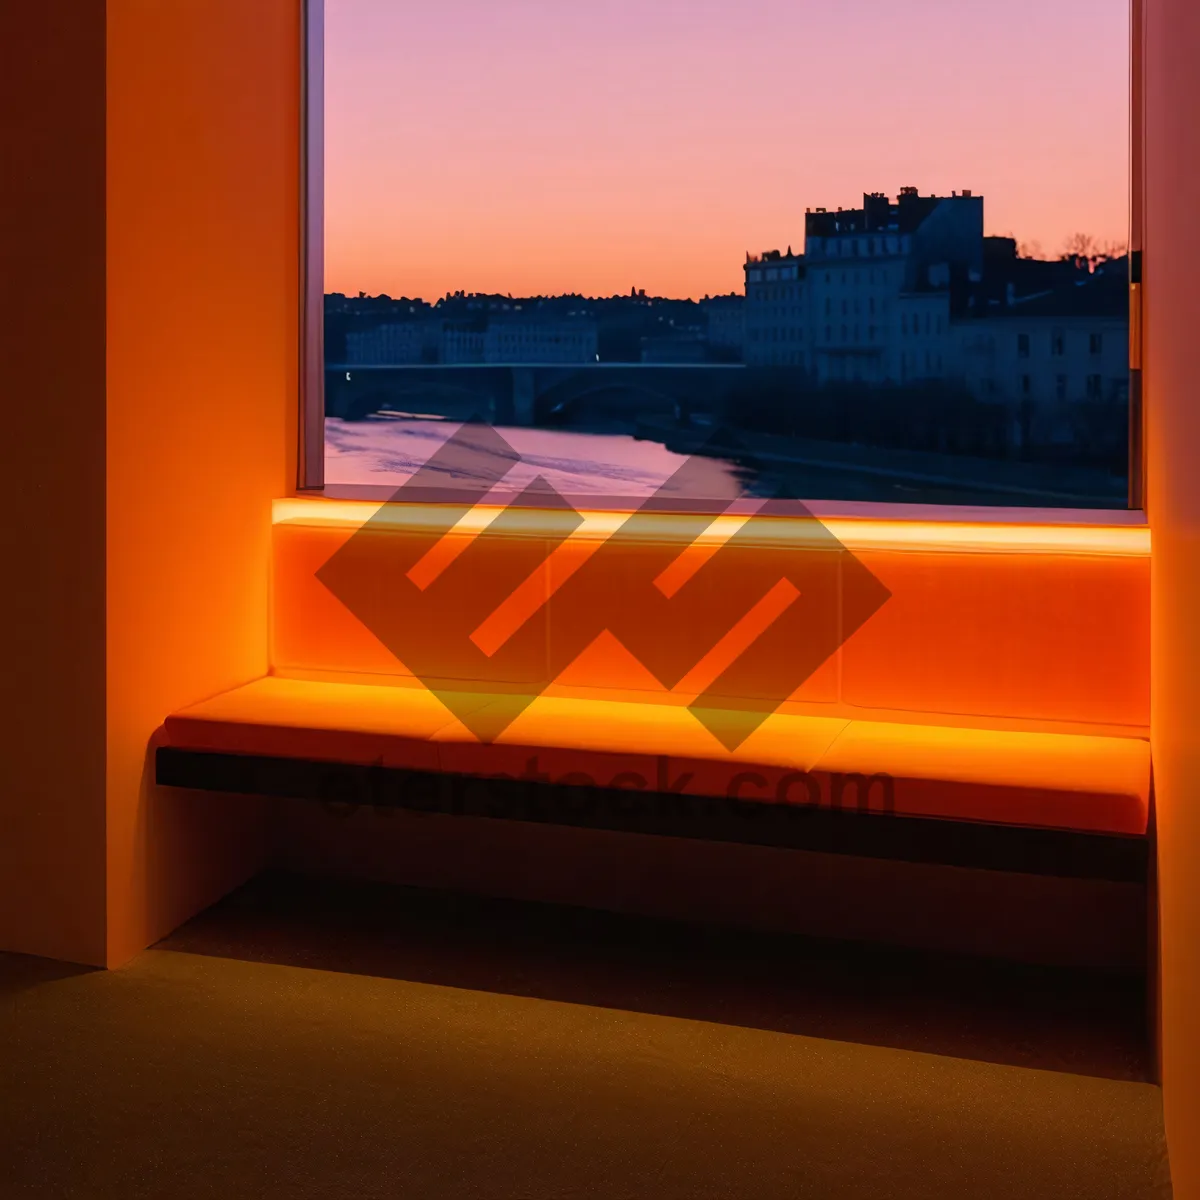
1096,343
1023,345
1026,385
1058,343
1095,387
1060,387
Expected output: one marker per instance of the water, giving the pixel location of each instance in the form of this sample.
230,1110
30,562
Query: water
604,466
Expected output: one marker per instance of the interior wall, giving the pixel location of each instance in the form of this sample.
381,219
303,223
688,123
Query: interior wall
52,384
203,295
1172,272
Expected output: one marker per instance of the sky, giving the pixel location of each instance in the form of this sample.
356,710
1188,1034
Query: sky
594,146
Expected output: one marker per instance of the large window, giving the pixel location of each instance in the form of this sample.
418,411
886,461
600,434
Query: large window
852,251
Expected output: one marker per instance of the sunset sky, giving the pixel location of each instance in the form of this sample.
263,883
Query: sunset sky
548,146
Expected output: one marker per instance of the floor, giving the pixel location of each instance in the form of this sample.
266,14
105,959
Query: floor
317,1039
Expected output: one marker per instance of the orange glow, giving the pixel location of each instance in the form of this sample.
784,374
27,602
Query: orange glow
1048,779
854,533
726,652
1042,626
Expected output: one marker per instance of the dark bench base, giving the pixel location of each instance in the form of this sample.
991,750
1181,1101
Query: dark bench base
345,787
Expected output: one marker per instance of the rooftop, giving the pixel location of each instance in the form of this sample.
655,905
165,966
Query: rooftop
881,214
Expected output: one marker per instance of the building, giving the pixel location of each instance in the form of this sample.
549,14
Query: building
884,281
522,337
725,327
776,312
677,346
463,342
1051,356
390,345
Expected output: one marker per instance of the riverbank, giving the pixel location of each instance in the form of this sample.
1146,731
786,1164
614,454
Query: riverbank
775,455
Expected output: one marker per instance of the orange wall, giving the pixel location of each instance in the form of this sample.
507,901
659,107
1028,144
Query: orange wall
203,294
1172,313
52,389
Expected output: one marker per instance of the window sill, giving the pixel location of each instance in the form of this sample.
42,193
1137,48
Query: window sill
1116,532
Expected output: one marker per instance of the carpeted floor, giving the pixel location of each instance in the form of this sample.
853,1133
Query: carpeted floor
315,1040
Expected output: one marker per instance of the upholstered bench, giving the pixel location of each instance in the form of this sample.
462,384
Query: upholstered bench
1020,800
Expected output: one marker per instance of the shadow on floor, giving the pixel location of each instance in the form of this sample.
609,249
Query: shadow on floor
1054,1019
22,973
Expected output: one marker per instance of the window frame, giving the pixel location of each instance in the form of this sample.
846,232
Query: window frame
311,415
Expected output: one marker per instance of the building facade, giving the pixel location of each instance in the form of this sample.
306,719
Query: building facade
776,313
398,344
909,291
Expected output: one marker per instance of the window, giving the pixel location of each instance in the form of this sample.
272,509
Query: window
579,231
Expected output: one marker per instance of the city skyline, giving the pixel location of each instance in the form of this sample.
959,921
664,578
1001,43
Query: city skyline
448,169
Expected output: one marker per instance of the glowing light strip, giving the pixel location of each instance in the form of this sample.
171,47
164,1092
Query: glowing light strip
1132,541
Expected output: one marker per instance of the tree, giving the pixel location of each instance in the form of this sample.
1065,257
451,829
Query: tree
1079,246
1088,252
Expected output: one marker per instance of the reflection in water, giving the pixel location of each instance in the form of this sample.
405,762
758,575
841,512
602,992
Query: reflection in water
603,466
385,452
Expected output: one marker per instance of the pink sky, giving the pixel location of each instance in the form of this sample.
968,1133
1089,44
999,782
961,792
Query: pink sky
531,146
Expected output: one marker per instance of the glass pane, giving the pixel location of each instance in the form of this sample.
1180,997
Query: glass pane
852,251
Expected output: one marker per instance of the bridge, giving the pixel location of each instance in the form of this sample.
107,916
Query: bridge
528,393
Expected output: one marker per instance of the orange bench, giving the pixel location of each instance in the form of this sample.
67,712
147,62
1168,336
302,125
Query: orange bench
1001,688
1027,801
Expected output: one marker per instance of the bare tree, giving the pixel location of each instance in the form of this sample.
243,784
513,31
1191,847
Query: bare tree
1088,252
1080,247
1111,250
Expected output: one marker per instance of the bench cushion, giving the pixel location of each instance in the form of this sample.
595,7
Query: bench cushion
1054,780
